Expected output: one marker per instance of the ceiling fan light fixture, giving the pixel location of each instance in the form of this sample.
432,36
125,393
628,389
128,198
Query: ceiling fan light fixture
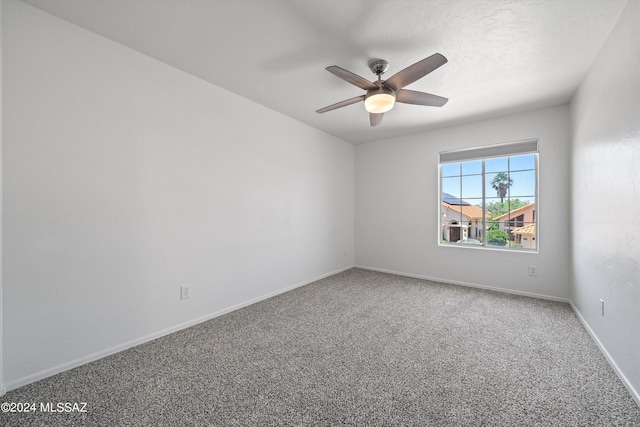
379,100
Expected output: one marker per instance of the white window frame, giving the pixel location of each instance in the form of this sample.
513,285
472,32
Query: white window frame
529,146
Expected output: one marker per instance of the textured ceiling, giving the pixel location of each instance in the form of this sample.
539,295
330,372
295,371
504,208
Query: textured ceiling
504,55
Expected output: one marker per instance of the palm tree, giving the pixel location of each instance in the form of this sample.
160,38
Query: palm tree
501,183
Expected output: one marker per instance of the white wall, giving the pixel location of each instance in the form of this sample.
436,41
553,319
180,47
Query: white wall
397,202
606,180
124,178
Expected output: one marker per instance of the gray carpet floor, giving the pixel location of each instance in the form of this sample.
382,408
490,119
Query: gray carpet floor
359,348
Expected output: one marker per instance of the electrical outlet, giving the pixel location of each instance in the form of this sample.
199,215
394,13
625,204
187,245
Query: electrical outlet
532,270
602,307
185,291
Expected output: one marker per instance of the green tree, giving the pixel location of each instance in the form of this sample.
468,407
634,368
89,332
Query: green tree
501,183
501,208
497,237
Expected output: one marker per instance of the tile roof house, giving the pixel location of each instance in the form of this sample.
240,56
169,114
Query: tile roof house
525,235
461,220
520,224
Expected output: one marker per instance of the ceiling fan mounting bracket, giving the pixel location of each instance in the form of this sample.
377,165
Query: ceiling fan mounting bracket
378,66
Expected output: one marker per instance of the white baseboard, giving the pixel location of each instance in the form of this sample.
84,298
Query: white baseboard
116,349
470,285
632,391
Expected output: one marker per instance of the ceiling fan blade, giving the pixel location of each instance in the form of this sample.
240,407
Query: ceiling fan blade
341,104
415,72
420,98
349,77
375,119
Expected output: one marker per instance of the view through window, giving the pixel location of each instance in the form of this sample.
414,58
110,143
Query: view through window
488,196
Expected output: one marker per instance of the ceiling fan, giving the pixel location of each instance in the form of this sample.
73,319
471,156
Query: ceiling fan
383,94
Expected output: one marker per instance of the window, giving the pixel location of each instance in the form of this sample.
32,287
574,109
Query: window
489,196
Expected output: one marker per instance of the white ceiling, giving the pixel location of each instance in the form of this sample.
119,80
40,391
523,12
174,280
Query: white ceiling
504,55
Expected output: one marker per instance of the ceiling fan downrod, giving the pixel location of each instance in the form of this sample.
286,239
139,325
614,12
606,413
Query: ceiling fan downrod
380,99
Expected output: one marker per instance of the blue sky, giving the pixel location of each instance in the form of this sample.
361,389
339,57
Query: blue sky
464,179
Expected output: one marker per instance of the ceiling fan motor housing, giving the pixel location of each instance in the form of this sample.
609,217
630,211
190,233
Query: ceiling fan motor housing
378,66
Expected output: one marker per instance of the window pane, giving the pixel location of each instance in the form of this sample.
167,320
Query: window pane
522,201
493,225
453,227
528,161
499,164
496,207
524,184
451,169
498,238
524,236
497,184
472,186
473,211
472,168
451,186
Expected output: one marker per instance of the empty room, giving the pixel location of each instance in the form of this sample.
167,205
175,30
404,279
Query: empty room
320,212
